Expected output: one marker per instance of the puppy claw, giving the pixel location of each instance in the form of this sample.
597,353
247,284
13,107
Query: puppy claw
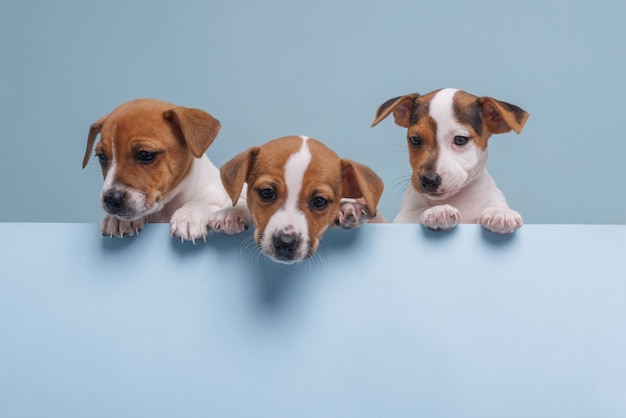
501,220
441,218
189,223
114,227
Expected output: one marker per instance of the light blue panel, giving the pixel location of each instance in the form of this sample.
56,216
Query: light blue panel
389,320
278,67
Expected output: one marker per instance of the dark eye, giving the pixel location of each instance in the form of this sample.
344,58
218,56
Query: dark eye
102,159
415,140
460,140
318,202
267,195
145,156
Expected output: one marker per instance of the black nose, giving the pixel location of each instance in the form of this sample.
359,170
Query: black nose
114,200
286,244
430,182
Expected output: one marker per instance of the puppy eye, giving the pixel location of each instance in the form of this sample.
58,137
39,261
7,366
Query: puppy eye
267,195
415,140
145,156
102,159
460,140
318,202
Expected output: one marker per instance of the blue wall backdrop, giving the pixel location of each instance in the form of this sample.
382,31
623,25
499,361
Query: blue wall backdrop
272,68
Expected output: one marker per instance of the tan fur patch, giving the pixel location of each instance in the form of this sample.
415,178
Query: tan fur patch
140,125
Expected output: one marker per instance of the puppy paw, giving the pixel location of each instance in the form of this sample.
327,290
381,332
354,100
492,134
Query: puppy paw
352,215
114,227
501,220
230,220
189,224
441,218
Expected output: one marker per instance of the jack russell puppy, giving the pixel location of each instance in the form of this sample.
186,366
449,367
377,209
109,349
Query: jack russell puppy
152,157
296,190
447,133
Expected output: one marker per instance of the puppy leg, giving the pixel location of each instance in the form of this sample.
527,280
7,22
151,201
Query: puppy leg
114,227
190,221
501,220
231,220
441,218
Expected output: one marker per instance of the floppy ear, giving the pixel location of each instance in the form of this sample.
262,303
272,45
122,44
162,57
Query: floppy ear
401,108
94,130
500,117
359,181
199,129
235,172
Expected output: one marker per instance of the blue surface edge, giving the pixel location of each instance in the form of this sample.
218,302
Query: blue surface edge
388,320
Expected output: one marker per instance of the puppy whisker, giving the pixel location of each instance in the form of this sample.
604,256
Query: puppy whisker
403,183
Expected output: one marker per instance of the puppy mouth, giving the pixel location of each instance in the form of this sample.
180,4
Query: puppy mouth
129,216
436,194
128,204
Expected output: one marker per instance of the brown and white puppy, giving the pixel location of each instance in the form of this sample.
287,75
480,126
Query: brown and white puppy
295,191
447,133
152,157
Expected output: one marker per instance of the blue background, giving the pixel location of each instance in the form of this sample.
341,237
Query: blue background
272,68
440,325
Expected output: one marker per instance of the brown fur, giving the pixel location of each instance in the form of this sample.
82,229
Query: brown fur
156,126
327,176
482,116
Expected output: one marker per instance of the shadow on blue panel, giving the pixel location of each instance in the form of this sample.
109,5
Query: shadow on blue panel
115,244
497,240
438,235
215,242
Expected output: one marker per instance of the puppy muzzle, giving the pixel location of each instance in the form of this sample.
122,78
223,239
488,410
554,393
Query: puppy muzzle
125,204
285,247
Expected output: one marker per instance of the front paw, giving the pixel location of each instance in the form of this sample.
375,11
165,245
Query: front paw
230,220
441,218
352,215
114,227
189,224
501,220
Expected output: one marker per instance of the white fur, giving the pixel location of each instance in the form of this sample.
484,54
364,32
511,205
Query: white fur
467,193
289,218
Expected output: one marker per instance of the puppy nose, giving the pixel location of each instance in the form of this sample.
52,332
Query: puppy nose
113,201
286,244
430,182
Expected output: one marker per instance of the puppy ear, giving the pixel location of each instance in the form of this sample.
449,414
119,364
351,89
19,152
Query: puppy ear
199,129
500,117
360,181
401,108
94,130
235,172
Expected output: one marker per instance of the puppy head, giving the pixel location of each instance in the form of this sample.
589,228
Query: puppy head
447,133
295,186
146,149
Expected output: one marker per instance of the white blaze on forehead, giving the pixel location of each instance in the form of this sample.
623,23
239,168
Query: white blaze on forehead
441,111
294,174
